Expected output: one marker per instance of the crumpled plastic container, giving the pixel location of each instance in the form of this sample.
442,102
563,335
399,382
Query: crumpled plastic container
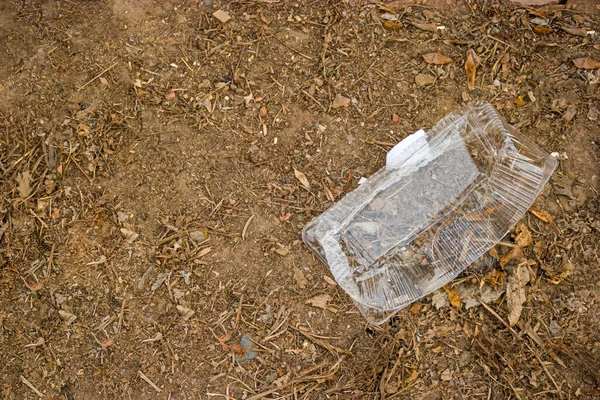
443,199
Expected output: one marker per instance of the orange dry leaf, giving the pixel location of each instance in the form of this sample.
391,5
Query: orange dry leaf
543,215
523,239
436,58
392,25
586,63
542,30
453,297
515,253
471,68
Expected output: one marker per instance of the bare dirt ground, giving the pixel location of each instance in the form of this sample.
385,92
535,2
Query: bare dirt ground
150,214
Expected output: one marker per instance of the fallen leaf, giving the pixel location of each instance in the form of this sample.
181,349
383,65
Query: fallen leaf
319,301
262,112
283,251
471,68
221,16
539,249
198,236
414,374
107,343
300,278
575,30
520,101
129,236
302,178
515,292
426,26
340,101
170,96
567,270
392,25
436,58
329,280
446,375
523,239
453,297
515,254
543,215
160,279
542,30
416,308
67,317
424,79
83,130
439,300
586,63
24,184
186,313
593,114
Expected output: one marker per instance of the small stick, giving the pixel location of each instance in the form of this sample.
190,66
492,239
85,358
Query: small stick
495,314
313,99
98,76
30,386
246,226
144,377
121,315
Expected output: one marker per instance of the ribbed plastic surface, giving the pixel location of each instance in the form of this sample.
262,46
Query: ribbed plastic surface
412,228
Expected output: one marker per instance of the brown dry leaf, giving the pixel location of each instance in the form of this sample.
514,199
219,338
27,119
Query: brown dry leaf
83,130
283,251
107,343
24,184
302,178
446,375
542,30
471,68
222,16
523,239
543,215
319,301
575,30
300,278
186,313
539,249
515,292
586,63
425,26
436,58
567,270
424,79
262,112
515,253
453,297
329,280
340,101
414,374
495,279
392,25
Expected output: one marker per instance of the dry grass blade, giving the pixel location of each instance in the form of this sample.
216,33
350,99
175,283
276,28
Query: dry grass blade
331,348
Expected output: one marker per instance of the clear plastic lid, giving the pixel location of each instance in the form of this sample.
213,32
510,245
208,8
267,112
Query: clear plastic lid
444,198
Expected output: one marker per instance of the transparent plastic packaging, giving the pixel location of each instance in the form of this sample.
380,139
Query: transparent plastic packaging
444,198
